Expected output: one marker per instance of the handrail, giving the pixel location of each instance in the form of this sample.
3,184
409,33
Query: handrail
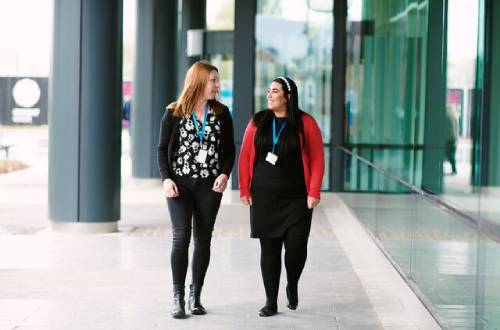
384,146
484,225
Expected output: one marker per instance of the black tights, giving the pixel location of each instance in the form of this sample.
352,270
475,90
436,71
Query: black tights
197,203
270,261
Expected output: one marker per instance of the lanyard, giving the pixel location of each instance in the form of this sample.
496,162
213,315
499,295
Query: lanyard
201,132
276,137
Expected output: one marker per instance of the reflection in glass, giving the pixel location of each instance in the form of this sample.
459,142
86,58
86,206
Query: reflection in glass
294,38
385,74
461,91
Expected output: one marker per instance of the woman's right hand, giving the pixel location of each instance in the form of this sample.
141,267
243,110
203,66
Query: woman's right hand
247,200
170,188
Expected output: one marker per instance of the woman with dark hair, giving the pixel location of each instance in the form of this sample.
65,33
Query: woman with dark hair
280,170
195,156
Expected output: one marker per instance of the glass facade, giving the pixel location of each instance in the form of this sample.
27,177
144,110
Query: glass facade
422,129
294,39
385,88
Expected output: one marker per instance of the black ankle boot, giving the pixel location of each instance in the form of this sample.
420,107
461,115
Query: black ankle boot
293,297
269,309
178,311
194,303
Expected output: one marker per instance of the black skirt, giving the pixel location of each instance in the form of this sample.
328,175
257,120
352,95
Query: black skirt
271,217
279,199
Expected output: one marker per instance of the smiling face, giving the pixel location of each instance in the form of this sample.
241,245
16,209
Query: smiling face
213,86
276,97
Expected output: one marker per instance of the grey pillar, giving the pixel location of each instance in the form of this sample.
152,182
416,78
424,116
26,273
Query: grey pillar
154,80
85,116
338,96
243,71
192,16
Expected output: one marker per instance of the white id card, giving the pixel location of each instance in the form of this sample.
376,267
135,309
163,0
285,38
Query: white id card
271,158
202,156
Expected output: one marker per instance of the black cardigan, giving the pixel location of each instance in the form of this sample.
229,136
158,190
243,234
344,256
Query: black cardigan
168,136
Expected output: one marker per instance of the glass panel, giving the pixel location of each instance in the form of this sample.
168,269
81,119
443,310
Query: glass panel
435,250
445,263
295,39
462,47
386,45
220,14
362,205
395,221
489,284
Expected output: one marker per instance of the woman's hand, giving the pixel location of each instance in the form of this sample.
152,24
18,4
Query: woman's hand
220,183
247,200
170,188
312,202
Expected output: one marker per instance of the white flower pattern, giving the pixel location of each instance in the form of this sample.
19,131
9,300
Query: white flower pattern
183,161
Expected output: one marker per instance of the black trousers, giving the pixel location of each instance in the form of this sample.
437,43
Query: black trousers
195,209
295,242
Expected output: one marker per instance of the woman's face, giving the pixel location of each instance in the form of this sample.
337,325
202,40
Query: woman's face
276,99
213,86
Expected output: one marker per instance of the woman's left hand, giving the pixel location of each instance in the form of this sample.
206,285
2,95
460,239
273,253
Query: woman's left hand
312,202
220,183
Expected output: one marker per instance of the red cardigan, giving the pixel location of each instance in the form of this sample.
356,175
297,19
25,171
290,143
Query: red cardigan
313,159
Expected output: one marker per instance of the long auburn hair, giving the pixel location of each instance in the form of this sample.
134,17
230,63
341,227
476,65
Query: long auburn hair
294,131
194,87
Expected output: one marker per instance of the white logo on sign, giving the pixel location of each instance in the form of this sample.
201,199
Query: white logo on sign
26,92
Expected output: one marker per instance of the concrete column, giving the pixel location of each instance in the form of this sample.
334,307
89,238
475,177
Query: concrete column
243,72
84,116
155,80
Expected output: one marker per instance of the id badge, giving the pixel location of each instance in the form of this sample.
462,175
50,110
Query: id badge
271,158
202,156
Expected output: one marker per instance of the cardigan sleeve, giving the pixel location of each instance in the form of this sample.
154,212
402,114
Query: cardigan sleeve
244,163
316,155
229,149
162,151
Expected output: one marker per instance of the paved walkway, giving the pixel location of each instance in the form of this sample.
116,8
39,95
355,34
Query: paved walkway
123,280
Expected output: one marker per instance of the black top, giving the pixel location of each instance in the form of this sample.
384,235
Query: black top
188,144
169,132
285,178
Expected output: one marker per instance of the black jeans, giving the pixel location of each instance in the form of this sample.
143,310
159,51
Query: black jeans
295,259
196,201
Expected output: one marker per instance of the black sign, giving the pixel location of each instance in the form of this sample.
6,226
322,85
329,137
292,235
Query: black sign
24,100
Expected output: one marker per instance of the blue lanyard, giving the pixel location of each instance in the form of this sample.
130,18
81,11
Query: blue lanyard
201,132
276,137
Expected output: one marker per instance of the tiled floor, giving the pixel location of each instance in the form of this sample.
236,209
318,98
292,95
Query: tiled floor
122,280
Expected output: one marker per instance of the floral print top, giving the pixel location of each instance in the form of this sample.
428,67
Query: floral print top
184,161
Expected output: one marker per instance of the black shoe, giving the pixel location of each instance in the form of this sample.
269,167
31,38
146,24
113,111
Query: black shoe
268,310
178,311
194,303
293,297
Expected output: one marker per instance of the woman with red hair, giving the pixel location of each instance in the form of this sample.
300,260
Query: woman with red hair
195,157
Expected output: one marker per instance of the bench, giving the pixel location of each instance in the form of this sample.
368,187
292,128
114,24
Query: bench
6,149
